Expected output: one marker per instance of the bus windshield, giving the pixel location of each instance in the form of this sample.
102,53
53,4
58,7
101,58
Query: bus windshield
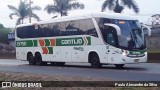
131,38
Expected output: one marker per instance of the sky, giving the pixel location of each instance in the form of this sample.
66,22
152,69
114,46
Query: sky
147,9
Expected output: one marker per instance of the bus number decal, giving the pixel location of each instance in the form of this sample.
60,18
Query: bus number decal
21,44
27,43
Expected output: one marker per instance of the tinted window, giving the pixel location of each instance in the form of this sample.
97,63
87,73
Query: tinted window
72,28
102,21
46,30
55,29
87,27
26,32
108,33
68,28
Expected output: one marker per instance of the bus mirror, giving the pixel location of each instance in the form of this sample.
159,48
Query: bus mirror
114,26
145,27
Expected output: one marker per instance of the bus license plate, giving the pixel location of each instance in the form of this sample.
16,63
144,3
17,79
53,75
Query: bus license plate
136,60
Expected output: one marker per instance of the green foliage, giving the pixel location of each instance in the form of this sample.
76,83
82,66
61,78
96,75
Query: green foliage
4,34
119,5
63,6
1,26
22,11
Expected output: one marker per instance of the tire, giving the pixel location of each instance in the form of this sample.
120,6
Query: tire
60,63
44,63
53,63
57,63
119,66
94,60
38,60
30,59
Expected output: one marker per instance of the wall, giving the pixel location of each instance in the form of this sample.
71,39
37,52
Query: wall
153,42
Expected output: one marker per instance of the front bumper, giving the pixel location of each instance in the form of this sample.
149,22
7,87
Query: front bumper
122,59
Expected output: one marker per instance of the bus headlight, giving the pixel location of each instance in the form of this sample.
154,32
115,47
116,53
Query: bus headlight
125,53
118,51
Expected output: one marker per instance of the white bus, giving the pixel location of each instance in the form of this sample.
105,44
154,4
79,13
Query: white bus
96,38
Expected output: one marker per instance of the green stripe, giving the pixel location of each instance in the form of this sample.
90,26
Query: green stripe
89,40
50,49
47,42
27,43
35,43
137,52
59,42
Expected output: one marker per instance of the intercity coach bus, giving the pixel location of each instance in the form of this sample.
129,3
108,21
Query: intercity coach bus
96,38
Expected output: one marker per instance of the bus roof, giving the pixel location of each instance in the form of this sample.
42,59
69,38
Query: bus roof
90,15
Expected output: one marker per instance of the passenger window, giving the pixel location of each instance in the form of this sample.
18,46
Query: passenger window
111,39
87,27
72,28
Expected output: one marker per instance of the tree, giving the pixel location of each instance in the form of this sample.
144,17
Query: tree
1,26
23,11
4,34
63,6
118,6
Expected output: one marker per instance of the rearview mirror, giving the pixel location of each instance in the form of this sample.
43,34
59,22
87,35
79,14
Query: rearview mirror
147,28
114,26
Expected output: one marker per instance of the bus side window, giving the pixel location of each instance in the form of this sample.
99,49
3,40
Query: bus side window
110,39
27,32
55,30
87,27
72,28
45,32
111,36
62,28
39,32
19,31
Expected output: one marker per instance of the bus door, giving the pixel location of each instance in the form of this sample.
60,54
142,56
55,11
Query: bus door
110,39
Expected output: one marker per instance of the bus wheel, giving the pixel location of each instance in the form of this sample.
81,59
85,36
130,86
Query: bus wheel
30,59
60,63
38,58
53,63
94,60
119,65
57,63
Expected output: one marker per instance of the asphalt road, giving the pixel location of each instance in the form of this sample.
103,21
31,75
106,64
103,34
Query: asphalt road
131,72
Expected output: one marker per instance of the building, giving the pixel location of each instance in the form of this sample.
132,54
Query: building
154,21
11,39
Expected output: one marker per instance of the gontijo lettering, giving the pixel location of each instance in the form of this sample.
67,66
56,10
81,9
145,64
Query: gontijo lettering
78,41
72,41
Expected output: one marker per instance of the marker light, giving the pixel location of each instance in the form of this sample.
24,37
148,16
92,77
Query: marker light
121,22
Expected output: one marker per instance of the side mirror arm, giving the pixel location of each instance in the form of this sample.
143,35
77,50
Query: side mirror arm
148,28
114,26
